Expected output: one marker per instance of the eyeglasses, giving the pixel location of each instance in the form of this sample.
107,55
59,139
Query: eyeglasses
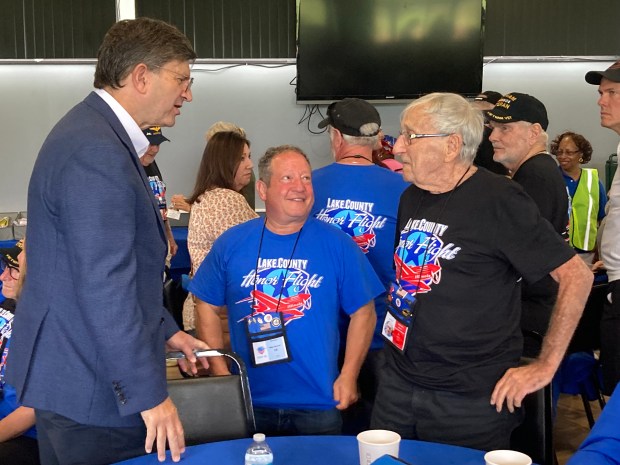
181,80
409,136
13,272
566,152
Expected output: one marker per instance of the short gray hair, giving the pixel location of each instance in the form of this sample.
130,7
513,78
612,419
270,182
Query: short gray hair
364,141
453,114
264,164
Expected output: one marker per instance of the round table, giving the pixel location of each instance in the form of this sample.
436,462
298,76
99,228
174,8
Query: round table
322,450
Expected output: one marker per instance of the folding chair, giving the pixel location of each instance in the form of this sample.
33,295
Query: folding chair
534,436
214,408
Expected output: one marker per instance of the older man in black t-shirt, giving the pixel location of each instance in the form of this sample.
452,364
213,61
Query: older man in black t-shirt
466,238
519,122
155,137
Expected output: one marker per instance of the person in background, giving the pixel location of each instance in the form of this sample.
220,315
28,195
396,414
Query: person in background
484,156
155,138
88,346
382,154
285,279
217,205
249,191
361,199
18,436
587,193
465,239
518,123
608,83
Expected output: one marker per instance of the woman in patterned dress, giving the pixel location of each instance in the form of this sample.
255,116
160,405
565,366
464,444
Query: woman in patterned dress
216,204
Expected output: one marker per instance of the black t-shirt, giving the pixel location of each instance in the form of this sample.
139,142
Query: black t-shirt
541,179
466,333
157,186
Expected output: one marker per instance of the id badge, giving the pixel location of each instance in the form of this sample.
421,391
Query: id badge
267,339
174,214
399,316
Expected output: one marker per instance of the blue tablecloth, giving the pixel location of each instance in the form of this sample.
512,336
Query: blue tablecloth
321,450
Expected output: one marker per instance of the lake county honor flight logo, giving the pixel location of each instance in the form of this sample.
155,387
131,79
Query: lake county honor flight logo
281,285
417,256
354,218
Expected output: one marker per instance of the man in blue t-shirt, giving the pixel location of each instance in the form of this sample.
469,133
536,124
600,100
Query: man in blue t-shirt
360,198
284,280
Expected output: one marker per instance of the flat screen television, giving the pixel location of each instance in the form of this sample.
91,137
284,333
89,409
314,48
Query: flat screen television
388,50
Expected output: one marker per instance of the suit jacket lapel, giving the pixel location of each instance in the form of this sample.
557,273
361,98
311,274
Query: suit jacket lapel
102,107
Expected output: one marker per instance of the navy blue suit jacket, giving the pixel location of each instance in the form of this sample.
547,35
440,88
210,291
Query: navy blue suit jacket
88,341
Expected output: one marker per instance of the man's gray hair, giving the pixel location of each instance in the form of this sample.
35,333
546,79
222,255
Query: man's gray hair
452,114
264,164
364,141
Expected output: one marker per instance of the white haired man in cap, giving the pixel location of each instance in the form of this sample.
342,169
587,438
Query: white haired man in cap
518,123
466,237
360,198
608,82
484,102
155,138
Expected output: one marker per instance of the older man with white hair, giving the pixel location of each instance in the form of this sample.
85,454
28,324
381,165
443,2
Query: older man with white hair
466,237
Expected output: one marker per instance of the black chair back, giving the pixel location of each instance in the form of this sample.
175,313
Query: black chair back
534,436
214,408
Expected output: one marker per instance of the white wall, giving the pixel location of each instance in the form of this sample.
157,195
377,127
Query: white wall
261,100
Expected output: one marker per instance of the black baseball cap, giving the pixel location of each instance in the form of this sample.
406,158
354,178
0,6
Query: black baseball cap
350,115
612,73
489,96
154,135
9,255
515,107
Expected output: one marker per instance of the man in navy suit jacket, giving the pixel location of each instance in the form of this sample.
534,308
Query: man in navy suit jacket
89,342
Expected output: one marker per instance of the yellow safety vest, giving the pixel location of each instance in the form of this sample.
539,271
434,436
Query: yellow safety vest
583,222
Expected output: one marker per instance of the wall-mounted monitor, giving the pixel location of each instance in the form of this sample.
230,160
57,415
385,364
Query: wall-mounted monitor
388,50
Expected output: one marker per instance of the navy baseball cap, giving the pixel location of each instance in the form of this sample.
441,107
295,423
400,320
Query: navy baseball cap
154,135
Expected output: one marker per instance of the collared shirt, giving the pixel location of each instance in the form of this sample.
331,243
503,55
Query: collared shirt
610,246
138,139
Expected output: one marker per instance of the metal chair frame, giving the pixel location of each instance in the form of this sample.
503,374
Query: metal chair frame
178,388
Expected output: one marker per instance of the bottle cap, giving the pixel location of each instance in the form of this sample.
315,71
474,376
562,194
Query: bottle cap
259,437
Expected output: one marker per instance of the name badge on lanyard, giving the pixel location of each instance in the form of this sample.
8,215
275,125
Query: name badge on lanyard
265,330
267,339
399,316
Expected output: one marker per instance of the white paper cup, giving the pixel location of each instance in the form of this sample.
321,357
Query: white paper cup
506,457
375,443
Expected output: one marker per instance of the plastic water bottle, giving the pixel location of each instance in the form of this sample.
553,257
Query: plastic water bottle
259,452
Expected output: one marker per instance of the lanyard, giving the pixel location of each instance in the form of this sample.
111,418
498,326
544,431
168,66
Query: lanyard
288,264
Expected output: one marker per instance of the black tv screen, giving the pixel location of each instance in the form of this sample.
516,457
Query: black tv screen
388,49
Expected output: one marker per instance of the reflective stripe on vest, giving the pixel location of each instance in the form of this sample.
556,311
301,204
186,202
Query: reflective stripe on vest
584,211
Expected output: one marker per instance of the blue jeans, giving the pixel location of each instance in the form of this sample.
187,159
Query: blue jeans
303,422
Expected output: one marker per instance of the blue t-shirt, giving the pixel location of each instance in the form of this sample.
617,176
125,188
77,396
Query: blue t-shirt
9,402
325,273
602,446
362,200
